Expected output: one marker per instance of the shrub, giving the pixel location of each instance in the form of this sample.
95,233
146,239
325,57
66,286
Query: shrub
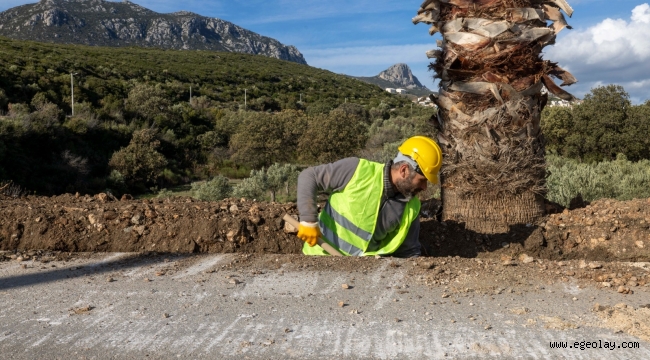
252,187
165,194
140,162
115,182
273,179
619,179
382,155
213,190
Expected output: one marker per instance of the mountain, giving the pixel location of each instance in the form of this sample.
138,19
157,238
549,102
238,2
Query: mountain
398,76
117,24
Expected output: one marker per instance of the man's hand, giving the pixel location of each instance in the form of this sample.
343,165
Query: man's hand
309,232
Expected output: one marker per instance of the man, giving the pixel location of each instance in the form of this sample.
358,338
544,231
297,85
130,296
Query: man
373,208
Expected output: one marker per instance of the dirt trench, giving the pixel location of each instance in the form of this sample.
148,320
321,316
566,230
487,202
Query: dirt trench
605,230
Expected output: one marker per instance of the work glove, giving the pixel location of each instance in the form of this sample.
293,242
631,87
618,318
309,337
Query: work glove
309,232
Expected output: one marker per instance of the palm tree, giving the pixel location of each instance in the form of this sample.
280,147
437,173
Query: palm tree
492,81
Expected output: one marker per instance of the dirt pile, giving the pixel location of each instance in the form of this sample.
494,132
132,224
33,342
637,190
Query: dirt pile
604,230
88,224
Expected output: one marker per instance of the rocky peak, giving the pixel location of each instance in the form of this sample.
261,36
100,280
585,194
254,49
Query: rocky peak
109,23
400,74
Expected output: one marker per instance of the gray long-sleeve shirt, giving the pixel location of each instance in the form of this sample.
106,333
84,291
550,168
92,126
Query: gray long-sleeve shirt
329,178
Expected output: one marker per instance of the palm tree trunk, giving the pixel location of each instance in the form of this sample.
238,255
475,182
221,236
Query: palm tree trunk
491,96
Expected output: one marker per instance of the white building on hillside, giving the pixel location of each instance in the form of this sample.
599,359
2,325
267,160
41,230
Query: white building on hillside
391,90
401,91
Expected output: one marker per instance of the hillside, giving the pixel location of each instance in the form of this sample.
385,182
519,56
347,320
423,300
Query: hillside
398,76
33,68
118,24
246,111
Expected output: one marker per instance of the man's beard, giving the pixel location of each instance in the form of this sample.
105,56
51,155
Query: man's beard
406,186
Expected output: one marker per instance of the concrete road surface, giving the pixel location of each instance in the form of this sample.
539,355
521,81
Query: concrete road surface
129,306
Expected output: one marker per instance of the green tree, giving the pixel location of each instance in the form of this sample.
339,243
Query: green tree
636,142
279,176
263,138
148,101
599,121
557,125
140,162
331,137
353,111
217,188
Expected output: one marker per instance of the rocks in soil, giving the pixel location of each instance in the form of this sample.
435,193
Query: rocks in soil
290,229
520,311
182,225
508,262
571,234
81,310
75,224
624,290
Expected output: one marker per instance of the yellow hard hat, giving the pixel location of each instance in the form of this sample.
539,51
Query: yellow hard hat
426,153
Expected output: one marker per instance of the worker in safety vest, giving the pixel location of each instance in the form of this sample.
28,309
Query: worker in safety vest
373,208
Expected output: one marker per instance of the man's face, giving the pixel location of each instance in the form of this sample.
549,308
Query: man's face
409,183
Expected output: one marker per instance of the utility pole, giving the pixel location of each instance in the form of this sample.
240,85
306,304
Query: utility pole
72,90
190,95
245,98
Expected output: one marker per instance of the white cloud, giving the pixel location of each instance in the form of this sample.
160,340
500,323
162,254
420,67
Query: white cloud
612,51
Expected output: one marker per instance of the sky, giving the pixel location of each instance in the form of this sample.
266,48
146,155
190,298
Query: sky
609,43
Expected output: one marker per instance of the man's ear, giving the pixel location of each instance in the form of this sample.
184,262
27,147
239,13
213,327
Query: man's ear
404,171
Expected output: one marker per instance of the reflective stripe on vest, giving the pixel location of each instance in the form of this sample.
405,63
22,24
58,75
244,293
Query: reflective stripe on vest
341,220
350,216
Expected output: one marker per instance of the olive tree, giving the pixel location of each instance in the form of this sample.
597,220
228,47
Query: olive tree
273,179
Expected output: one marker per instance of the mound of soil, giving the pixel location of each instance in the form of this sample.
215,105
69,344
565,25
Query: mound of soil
604,230
181,225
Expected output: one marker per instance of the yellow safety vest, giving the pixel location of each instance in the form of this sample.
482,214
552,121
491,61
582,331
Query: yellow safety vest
349,218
